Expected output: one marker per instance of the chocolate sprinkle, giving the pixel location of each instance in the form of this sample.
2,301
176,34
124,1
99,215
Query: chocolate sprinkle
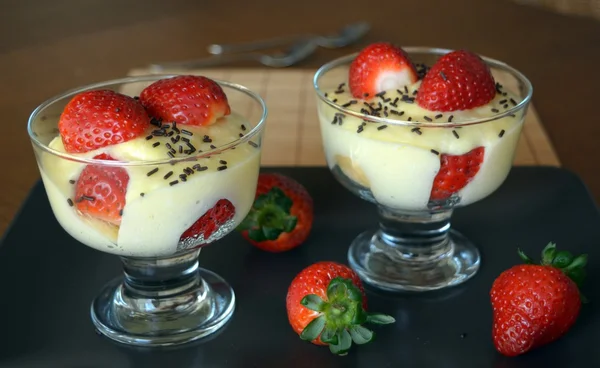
399,113
501,133
405,89
186,140
450,118
88,198
410,118
175,139
382,127
241,135
121,212
360,128
72,181
142,194
505,106
173,182
495,110
438,116
155,144
201,168
186,132
221,168
152,172
149,137
417,130
223,162
399,91
180,149
253,144
212,146
170,154
435,152
168,145
70,202
334,100
243,127
455,134
512,101
168,175
188,171
502,101
427,118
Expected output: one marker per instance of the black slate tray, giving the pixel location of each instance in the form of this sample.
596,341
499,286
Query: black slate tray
49,280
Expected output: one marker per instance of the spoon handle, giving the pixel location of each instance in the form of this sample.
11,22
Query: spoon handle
205,62
221,49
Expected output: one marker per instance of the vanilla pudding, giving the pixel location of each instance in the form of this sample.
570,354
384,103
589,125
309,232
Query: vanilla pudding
163,200
398,163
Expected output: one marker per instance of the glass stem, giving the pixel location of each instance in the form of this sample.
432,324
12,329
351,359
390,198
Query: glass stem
161,277
416,237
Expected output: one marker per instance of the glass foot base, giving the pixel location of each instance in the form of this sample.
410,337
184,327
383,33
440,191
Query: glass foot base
391,269
199,310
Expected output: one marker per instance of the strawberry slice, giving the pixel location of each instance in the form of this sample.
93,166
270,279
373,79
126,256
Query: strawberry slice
459,80
100,191
186,99
380,67
456,171
100,118
210,221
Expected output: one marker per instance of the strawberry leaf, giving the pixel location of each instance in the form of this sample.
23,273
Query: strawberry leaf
548,253
313,302
380,319
579,262
344,343
313,329
329,336
361,335
524,256
562,259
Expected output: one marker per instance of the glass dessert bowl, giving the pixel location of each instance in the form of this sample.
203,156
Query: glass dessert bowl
415,163
124,181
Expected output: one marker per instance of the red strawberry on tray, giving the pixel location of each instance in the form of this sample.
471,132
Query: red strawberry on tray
380,67
100,118
210,221
186,99
459,80
282,214
100,191
326,305
456,171
536,304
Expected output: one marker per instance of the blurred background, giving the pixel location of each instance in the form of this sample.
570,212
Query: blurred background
48,46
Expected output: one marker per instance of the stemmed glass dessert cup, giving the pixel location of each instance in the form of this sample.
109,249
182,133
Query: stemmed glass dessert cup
163,298
393,157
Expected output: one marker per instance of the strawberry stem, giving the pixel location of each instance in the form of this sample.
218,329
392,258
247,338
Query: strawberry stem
269,216
341,317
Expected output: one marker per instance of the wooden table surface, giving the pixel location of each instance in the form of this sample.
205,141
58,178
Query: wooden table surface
47,46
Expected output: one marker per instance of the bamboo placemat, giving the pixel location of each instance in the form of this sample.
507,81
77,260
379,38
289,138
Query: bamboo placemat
293,137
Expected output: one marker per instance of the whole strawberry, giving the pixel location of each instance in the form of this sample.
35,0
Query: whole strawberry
459,80
100,118
534,305
282,214
186,100
326,305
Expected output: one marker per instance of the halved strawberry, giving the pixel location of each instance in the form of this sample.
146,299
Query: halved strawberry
100,191
380,67
100,118
459,80
456,171
282,214
210,221
186,99
326,305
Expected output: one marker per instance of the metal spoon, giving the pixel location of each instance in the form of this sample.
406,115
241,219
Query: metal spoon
347,35
296,52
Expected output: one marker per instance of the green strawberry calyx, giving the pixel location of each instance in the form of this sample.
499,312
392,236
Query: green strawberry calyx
341,317
269,216
570,265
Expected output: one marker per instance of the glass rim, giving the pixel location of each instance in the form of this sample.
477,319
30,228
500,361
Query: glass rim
434,51
144,78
